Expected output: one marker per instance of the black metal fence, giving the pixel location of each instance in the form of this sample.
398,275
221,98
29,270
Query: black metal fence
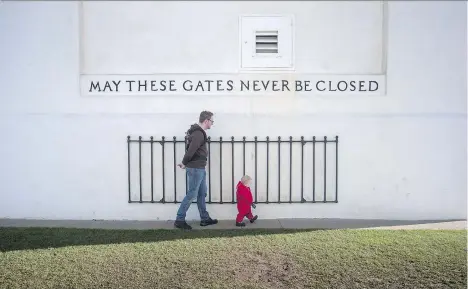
307,167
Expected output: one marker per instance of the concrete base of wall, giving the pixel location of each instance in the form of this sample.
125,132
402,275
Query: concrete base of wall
259,224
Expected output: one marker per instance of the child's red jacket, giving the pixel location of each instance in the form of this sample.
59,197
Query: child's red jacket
244,199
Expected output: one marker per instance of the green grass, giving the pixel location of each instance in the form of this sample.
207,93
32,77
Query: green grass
82,258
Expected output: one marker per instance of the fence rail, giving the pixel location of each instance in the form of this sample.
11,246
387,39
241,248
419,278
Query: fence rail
176,148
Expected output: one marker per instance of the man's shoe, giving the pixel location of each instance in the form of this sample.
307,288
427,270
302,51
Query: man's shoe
182,225
208,222
254,219
240,224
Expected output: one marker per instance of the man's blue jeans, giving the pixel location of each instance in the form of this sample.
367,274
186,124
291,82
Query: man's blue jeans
196,183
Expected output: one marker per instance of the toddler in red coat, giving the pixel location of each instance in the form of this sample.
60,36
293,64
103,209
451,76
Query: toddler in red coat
244,202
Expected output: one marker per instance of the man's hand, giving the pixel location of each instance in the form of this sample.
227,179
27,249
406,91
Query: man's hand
181,166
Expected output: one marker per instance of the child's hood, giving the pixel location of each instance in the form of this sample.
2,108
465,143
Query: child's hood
240,185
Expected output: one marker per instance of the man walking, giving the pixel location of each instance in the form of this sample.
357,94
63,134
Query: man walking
194,162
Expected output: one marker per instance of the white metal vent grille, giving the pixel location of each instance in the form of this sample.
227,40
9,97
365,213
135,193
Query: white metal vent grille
266,42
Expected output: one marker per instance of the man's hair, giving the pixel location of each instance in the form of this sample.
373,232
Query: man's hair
204,115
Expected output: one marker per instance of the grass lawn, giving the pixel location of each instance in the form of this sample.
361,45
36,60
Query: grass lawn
86,258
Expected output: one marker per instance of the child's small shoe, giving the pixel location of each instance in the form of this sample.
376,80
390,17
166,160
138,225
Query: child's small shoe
254,219
241,224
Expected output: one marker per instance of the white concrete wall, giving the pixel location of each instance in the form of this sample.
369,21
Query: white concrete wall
402,155
203,37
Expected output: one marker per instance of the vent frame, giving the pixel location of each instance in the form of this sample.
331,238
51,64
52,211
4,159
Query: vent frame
278,54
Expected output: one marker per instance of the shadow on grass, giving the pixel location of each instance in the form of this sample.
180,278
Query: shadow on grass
12,239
